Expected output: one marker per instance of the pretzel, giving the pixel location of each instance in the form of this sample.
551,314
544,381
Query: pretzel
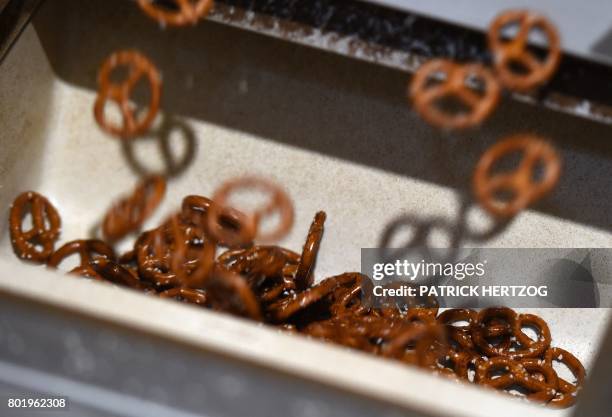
269,270
228,291
194,210
304,276
567,391
455,364
139,66
545,373
188,13
189,295
479,334
454,84
279,203
130,212
542,390
110,271
153,257
25,242
520,182
88,250
453,315
429,343
516,50
287,307
190,277
348,298
529,347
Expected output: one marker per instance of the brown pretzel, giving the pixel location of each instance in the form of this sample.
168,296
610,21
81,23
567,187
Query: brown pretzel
153,251
567,391
483,321
188,13
139,66
189,295
505,53
428,340
529,347
115,273
454,84
25,242
279,203
453,315
130,212
88,250
194,210
189,275
538,370
304,276
227,291
516,374
347,299
287,307
269,270
520,181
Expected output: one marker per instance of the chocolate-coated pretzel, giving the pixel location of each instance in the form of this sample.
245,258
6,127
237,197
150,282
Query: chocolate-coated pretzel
506,53
110,271
130,212
279,203
153,252
46,225
188,11
190,276
88,250
194,210
454,83
228,291
519,182
189,295
138,66
287,307
269,270
304,276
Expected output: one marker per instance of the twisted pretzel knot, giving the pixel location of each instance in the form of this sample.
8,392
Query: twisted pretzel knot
455,83
189,12
129,213
279,203
139,66
88,251
42,212
520,181
505,53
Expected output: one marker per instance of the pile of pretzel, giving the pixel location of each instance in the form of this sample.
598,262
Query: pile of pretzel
205,253
180,260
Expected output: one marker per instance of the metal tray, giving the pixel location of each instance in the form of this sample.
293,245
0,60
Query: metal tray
335,132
